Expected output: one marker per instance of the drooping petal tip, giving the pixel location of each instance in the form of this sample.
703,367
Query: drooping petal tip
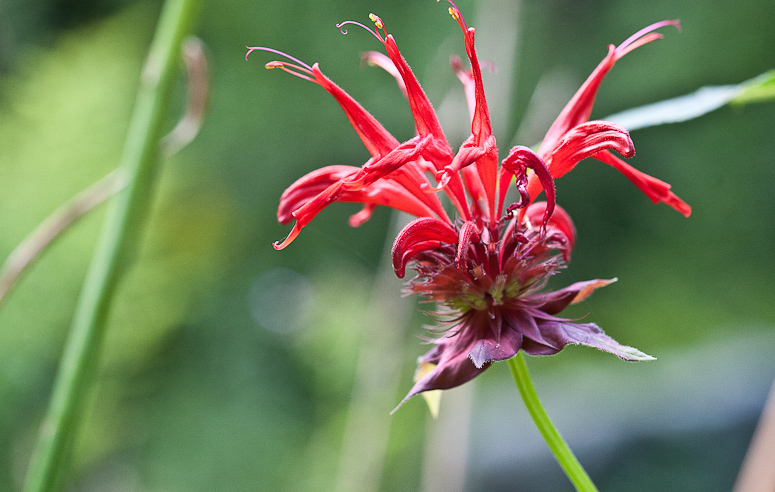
277,245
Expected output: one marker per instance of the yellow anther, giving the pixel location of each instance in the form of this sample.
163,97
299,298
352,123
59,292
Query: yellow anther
377,21
454,13
273,64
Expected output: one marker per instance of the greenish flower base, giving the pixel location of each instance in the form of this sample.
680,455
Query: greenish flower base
557,445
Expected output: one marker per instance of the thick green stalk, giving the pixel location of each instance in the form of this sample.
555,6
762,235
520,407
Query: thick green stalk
557,445
116,244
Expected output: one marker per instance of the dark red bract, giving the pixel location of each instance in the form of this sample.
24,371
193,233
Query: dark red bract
486,268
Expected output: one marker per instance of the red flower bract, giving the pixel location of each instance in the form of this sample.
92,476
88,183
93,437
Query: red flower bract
485,269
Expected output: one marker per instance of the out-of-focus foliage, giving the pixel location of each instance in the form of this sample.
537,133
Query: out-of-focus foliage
700,102
207,386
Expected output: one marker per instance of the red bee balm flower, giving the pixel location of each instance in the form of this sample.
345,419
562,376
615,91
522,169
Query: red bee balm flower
485,269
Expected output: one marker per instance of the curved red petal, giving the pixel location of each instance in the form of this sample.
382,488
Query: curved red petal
469,232
581,142
481,126
521,158
418,231
588,139
657,190
310,194
309,186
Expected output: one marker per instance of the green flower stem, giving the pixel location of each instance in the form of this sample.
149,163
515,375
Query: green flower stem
557,445
116,244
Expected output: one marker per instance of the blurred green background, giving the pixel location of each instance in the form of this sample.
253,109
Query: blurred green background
229,366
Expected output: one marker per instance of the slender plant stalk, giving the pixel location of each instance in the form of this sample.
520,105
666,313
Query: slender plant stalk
116,245
33,246
557,445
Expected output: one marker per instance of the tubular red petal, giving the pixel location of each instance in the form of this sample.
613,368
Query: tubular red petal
467,80
390,194
468,154
373,135
579,107
657,190
358,219
481,127
375,58
404,153
289,239
424,116
427,231
475,190
439,152
559,221
469,232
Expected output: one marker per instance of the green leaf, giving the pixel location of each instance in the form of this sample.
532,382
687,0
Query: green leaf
698,103
758,89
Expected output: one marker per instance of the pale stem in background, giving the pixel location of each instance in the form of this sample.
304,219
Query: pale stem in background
377,378
30,249
446,442
36,243
758,471
198,84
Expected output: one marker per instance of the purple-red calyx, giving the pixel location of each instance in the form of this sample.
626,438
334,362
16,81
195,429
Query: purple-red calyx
486,266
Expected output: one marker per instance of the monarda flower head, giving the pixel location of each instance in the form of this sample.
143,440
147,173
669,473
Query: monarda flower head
486,267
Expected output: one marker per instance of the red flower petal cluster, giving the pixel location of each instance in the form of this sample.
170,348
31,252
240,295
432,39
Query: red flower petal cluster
487,268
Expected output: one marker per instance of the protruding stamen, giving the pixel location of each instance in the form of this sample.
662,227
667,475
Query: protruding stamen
455,13
251,49
377,21
645,35
374,32
292,69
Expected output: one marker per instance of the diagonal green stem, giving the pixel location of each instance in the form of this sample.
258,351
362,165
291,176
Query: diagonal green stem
117,243
557,445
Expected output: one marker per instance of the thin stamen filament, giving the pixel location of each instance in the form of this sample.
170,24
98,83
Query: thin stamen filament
644,31
251,49
455,12
292,69
356,23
